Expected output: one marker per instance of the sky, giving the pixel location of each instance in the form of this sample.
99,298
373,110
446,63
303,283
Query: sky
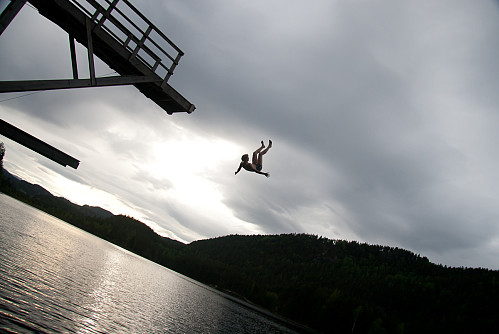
383,117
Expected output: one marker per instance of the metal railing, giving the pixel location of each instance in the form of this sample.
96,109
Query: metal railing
144,41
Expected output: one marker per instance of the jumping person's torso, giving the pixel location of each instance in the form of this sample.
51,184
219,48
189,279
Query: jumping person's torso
248,166
252,167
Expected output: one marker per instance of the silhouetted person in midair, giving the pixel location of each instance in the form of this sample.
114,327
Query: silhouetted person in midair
256,163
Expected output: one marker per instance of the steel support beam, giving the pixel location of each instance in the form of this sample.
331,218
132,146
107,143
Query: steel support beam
37,145
39,85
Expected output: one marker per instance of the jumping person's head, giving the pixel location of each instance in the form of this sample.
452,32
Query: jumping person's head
245,158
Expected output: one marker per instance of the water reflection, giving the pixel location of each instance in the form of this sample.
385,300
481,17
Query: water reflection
99,300
57,278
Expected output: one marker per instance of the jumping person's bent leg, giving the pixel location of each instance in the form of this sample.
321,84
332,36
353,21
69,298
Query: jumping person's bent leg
260,156
255,157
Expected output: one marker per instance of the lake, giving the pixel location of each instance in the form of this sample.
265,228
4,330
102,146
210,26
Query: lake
57,278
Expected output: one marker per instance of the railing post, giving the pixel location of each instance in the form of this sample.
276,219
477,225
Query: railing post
171,69
72,50
141,42
106,14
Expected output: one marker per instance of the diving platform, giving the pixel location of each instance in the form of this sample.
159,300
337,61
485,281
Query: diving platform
118,34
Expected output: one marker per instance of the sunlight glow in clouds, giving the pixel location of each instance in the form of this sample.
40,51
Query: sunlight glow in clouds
188,164
180,172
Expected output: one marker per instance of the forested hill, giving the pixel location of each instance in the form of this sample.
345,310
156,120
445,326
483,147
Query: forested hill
332,286
336,286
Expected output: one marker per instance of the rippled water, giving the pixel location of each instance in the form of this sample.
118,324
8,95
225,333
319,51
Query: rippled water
56,278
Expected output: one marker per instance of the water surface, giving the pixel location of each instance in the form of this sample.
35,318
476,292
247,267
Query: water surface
56,278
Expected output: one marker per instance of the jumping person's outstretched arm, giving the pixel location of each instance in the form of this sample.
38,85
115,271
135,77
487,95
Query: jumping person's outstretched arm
237,171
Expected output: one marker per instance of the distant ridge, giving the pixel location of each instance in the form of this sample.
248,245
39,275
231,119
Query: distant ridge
24,186
33,190
93,219
95,211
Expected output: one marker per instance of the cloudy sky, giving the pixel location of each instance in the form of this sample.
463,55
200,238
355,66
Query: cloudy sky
383,115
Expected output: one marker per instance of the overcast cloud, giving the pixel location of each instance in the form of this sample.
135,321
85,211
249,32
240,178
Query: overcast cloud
383,116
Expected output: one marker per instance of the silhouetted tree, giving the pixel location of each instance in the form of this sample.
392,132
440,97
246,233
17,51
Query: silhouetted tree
2,153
